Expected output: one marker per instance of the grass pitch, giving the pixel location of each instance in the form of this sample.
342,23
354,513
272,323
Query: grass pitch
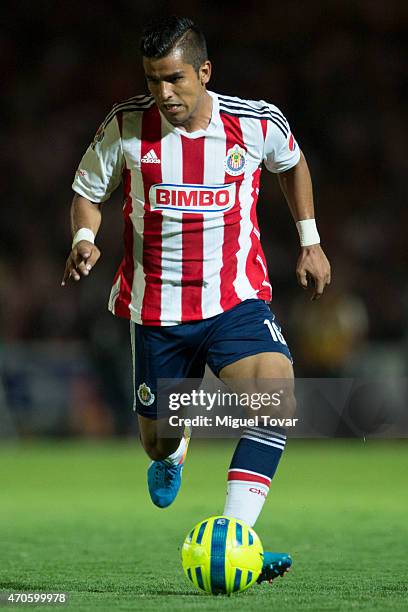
76,517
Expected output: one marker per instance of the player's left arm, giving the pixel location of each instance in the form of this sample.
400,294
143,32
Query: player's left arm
296,185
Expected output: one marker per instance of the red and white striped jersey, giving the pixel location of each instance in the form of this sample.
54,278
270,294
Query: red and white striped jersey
192,241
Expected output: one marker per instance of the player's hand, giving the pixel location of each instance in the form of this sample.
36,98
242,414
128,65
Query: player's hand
313,268
80,261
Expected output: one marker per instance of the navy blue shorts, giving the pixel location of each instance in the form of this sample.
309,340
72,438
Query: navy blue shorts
182,351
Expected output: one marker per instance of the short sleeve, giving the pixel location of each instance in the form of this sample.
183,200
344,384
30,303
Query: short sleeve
281,151
100,170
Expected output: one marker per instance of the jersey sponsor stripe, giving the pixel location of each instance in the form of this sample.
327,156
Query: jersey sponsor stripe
256,269
253,116
257,105
263,112
193,227
132,104
129,105
266,293
172,240
152,243
232,220
132,124
214,173
246,285
256,115
127,109
251,103
116,286
138,98
253,269
121,305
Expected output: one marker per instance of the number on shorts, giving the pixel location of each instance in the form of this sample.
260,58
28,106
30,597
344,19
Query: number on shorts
276,333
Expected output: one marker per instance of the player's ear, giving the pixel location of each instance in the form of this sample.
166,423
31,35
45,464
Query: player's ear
204,72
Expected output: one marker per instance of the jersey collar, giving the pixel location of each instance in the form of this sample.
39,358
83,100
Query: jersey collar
215,121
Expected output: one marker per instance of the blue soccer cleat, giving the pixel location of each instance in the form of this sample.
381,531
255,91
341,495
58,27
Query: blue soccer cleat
164,478
274,565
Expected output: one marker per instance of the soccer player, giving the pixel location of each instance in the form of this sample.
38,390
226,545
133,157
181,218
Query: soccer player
194,280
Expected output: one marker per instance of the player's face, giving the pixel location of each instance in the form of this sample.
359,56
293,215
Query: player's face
178,90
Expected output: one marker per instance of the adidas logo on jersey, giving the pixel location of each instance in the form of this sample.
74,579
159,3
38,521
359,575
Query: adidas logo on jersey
150,158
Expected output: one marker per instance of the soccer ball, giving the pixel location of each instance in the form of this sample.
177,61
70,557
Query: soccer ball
222,555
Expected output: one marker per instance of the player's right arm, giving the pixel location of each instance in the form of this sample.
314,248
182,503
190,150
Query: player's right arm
84,254
98,175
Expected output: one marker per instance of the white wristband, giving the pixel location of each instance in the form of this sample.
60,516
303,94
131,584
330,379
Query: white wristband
308,233
83,234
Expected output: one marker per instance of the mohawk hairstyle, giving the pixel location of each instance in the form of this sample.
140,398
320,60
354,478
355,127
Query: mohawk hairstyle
162,36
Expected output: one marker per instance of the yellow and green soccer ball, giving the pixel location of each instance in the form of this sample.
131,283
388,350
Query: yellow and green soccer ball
222,555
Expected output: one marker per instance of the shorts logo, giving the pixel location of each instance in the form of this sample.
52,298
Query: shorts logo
292,143
235,160
192,198
145,395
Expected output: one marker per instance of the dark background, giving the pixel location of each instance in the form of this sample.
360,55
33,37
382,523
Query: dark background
336,69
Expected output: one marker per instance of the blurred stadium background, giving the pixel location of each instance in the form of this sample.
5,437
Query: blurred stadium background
338,71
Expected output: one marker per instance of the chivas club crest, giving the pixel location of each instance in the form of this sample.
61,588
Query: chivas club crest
235,160
145,395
